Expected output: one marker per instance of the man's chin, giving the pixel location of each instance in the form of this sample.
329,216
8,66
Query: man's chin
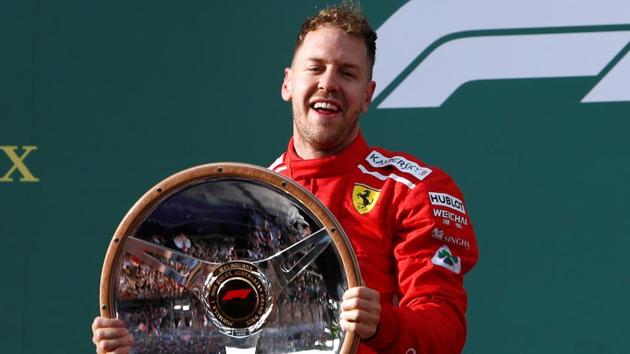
328,142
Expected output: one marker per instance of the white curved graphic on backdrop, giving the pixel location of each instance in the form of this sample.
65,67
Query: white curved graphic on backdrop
615,86
419,23
505,57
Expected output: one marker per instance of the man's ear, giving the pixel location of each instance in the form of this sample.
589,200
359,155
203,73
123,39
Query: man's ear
368,96
287,90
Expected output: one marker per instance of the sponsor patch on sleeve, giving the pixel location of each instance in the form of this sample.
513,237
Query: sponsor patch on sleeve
449,217
444,258
439,234
447,200
376,159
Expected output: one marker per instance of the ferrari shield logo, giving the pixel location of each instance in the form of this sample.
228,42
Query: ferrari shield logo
364,198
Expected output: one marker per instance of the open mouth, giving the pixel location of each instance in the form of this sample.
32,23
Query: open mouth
325,108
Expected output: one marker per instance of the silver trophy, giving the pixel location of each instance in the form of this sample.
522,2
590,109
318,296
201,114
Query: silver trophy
229,258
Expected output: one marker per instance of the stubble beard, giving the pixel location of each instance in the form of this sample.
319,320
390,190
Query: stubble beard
324,136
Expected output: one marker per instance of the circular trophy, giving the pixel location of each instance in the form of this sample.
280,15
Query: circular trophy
229,258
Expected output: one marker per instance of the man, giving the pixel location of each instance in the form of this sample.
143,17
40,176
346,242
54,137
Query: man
406,221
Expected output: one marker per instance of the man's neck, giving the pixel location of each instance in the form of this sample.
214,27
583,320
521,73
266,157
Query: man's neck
308,151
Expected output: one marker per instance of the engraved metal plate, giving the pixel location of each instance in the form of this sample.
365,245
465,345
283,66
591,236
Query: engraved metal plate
229,258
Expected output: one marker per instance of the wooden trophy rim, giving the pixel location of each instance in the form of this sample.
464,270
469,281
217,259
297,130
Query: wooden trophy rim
140,210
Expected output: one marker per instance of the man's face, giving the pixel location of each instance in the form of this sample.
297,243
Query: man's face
329,86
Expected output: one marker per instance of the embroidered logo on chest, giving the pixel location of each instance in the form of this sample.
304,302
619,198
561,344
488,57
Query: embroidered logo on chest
364,197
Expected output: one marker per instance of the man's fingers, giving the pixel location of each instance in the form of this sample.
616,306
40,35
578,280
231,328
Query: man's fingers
110,336
102,322
118,345
361,304
360,311
361,329
360,316
363,293
353,326
123,350
109,333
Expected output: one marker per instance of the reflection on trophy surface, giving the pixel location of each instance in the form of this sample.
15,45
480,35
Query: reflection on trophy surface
230,265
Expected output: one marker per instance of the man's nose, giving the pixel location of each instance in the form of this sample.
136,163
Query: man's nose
329,81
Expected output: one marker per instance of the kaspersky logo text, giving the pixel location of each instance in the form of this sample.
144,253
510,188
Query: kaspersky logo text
17,163
428,49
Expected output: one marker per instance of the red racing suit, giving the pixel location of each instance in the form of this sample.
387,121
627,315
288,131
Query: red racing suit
412,235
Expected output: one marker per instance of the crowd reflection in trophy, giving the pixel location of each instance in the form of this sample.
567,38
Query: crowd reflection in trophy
164,317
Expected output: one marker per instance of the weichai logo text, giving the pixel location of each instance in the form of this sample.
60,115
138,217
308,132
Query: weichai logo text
444,214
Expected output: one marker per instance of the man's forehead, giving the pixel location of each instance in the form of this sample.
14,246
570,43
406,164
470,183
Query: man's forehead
350,61
330,43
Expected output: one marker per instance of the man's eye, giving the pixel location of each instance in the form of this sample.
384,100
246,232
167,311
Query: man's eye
313,68
348,74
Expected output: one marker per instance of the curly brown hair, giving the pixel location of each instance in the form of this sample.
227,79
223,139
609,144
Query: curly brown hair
348,18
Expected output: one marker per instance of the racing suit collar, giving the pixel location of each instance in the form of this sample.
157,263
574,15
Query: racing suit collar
347,159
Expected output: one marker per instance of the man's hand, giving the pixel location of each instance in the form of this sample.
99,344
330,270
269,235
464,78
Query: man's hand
361,311
110,336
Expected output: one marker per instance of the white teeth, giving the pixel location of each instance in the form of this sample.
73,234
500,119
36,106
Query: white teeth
326,105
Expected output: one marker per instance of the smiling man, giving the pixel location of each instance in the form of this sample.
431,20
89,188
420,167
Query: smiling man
394,208
407,221
329,85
